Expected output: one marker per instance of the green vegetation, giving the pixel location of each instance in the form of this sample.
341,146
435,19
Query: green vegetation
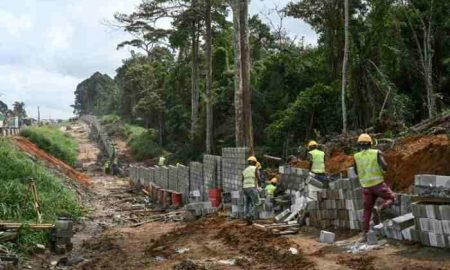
54,141
398,73
55,199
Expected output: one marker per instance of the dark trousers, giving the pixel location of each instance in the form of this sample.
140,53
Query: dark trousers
251,197
370,196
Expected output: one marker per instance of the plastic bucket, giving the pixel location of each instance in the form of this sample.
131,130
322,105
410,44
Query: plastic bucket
215,197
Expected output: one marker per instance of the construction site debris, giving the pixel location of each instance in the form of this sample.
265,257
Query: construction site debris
327,237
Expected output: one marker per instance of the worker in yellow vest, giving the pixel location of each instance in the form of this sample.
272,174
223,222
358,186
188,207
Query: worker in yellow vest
316,159
271,187
370,167
250,184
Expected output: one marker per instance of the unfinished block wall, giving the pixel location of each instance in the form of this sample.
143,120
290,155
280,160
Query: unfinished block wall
293,178
164,177
173,178
234,161
196,177
212,171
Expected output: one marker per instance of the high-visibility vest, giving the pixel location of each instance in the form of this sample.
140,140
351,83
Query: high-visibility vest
270,189
162,160
318,161
249,177
369,171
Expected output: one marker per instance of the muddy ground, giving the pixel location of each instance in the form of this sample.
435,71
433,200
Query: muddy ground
107,238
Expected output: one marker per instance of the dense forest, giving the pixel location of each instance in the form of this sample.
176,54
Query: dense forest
218,77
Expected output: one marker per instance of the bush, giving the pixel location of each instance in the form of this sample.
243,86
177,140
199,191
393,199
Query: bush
143,144
55,198
54,141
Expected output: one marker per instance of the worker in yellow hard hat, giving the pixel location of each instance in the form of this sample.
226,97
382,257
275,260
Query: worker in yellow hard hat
271,187
316,160
250,185
370,167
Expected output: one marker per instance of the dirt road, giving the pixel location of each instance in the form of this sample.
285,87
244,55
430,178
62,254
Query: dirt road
107,239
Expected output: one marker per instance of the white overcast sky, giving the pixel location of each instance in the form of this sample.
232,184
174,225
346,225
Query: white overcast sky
47,47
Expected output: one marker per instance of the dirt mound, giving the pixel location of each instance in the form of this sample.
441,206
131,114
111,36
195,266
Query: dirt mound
417,155
32,149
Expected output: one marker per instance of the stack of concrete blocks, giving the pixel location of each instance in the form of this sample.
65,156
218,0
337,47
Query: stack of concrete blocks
183,182
173,178
164,177
432,220
340,206
265,209
196,179
436,186
141,175
198,209
151,173
401,206
234,161
293,179
237,204
432,224
398,228
212,171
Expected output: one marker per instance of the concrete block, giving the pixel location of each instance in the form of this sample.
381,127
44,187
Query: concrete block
372,238
408,233
402,222
282,215
327,237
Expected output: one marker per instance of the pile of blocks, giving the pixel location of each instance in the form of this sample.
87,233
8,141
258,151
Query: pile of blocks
432,217
173,178
212,171
198,209
183,181
340,206
399,228
234,161
293,179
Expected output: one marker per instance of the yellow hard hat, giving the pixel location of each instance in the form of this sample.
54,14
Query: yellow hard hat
312,143
274,180
364,138
252,158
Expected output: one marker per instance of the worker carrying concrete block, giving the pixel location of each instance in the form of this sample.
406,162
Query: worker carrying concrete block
250,184
370,167
316,160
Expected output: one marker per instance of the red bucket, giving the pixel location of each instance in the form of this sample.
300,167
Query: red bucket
177,199
215,197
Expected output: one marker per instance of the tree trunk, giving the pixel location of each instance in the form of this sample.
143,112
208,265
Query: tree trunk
238,95
194,80
344,70
209,96
245,76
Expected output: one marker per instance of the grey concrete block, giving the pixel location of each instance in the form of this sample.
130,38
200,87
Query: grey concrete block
402,222
372,238
282,215
327,237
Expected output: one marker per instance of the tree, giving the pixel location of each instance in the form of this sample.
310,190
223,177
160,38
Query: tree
19,109
242,100
3,108
344,69
209,95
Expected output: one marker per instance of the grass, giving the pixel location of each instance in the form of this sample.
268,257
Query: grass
54,141
55,198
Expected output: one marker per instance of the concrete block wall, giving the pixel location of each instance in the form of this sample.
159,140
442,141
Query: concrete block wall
432,185
164,177
173,178
157,175
183,181
196,178
212,171
234,161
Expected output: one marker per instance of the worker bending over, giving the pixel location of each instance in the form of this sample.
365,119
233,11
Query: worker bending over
250,184
370,166
271,187
316,159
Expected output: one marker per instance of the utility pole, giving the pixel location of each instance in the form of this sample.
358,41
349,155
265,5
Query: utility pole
39,116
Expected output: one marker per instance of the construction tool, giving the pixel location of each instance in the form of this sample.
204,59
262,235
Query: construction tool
32,188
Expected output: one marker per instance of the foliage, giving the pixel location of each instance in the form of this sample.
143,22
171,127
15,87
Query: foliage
144,144
54,141
55,199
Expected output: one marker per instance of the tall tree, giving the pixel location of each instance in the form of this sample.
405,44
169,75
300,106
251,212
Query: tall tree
242,100
19,109
209,95
344,69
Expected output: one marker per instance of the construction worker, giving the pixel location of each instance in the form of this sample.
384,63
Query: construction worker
250,184
162,161
370,166
316,159
271,187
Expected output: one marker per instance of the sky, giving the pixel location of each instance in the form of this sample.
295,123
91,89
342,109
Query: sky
47,47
